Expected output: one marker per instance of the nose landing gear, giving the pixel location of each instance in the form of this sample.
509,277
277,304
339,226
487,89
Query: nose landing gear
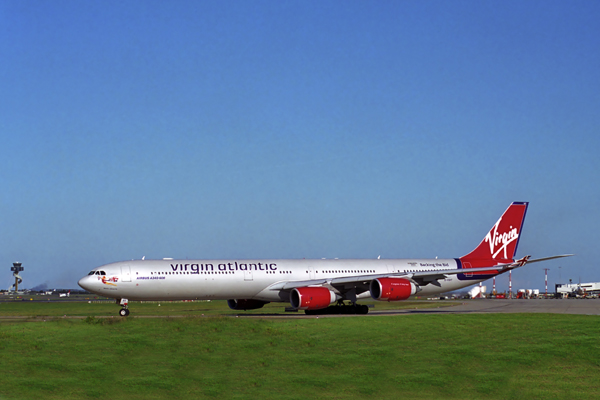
123,312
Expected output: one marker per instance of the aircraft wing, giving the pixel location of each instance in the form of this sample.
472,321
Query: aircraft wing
421,278
289,285
361,282
425,277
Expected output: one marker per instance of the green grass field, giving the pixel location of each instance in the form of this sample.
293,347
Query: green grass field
486,356
168,308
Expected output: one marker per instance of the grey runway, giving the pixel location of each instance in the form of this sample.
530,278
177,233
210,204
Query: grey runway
552,306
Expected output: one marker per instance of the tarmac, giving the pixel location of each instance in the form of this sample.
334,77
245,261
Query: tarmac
472,306
488,306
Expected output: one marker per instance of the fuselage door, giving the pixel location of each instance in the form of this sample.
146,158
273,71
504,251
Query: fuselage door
467,265
248,275
125,273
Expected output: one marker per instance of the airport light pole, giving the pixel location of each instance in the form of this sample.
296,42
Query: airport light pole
16,268
546,270
510,284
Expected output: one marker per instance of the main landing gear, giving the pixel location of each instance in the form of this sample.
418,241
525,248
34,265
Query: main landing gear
340,308
123,312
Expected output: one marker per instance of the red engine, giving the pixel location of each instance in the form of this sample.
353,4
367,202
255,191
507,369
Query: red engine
392,289
245,304
311,298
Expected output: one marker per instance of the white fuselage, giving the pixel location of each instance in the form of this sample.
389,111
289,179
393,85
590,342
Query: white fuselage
249,279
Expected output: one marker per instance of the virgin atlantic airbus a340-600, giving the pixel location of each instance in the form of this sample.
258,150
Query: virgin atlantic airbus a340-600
311,285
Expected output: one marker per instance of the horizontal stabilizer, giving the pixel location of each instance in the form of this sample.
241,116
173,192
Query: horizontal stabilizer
549,258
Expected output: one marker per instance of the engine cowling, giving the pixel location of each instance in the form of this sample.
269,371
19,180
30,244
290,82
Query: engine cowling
245,304
312,298
392,289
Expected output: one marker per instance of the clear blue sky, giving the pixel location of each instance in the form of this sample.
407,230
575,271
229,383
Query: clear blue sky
291,129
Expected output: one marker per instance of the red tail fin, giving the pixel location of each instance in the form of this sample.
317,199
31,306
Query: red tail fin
500,244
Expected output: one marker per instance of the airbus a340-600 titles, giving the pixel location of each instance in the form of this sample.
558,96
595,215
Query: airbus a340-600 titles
311,285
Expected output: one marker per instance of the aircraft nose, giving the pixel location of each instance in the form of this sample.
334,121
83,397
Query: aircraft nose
85,283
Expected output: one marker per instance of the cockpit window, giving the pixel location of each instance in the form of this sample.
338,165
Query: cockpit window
102,273
92,272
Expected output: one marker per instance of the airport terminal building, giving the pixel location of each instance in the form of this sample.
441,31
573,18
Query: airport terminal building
566,289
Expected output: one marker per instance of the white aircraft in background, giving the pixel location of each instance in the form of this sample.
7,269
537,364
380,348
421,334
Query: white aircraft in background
311,285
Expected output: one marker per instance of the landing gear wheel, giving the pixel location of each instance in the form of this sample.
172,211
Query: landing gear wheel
124,312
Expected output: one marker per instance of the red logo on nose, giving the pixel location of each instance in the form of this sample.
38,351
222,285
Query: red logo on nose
109,281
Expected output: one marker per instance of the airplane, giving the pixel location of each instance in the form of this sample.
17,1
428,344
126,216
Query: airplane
312,285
